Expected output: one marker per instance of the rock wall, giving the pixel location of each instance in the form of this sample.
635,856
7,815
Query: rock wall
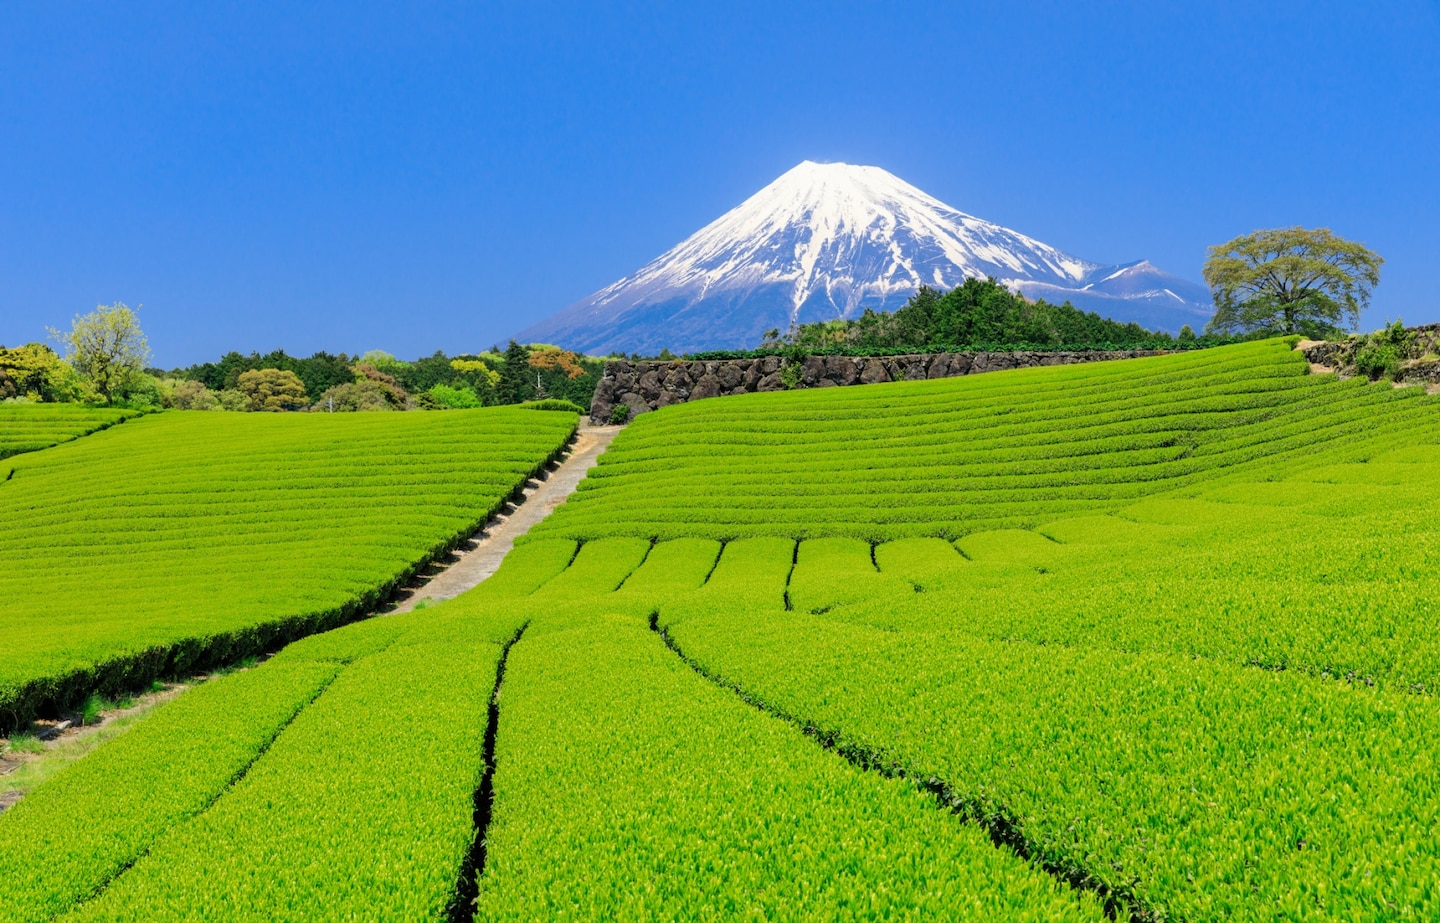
1421,367
652,384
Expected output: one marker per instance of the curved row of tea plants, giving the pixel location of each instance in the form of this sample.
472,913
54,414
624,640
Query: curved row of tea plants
1190,787
616,766
334,781
949,457
1172,631
182,540
1161,629
30,427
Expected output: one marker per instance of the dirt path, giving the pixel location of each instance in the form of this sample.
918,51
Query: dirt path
65,741
482,555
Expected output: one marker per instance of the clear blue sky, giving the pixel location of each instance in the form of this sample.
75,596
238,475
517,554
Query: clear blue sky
417,176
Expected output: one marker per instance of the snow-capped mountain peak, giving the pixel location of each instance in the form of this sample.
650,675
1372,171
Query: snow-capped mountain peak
822,241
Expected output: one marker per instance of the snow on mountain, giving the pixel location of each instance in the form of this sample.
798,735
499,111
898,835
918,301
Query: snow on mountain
830,240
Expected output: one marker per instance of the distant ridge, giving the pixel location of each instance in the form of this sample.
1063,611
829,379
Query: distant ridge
830,240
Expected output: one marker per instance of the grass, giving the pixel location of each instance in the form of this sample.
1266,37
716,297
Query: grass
24,743
55,758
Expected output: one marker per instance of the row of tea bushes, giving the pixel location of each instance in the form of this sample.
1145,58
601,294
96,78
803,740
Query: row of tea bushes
182,540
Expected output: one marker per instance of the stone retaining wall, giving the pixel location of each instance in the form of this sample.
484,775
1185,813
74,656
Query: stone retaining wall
1422,368
651,384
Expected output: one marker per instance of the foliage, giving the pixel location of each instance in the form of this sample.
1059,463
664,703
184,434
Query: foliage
512,388
1143,625
272,389
1289,281
654,760
382,384
193,395
1383,354
37,373
460,398
232,399
237,853
477,368
949,456
65,840
106,347
979,313
319,372
25,743
383,361
1063,686
620,415
554,403
249,529
554,358
409,384
364,395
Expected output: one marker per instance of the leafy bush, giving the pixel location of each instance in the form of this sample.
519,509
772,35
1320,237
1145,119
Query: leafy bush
554,403
354,396
620,415
1383,354
455,398
193,395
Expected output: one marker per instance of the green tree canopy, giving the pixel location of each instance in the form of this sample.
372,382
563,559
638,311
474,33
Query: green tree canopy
35,372
106,347
273,389
512,386
1290,280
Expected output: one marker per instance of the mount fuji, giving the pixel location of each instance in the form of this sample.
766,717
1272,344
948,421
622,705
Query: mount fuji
828,241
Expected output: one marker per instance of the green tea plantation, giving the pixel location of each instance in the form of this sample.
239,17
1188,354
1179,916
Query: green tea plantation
1151,640
184,539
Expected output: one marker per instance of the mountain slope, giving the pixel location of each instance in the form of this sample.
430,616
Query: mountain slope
831,240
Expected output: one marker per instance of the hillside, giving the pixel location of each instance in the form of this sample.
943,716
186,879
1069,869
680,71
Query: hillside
30,427
181,540
1143,640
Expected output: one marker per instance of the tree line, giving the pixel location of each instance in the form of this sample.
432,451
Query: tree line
1268,283
107,362
978,314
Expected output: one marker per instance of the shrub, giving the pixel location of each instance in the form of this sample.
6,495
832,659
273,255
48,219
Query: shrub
193,395
620,415
232,399
554,403
1383,354
356,396
461,397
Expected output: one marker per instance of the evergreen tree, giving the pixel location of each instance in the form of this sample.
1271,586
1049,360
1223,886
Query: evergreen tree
514,375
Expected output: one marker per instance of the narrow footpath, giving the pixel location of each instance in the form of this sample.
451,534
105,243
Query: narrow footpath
482,555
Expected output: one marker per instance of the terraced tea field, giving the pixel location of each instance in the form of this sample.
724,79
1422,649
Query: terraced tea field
185,539
30,427
1149,640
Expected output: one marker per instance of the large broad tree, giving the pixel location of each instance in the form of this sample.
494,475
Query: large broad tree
1290,280
273,389
106,347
